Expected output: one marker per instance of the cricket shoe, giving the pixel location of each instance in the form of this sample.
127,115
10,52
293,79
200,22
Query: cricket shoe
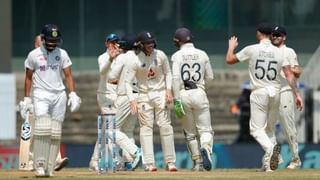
294,164
198,166
280,159
266,168
127,166
93,166
150,168
171,167
61,164
137,159
206,158
274,160
41,172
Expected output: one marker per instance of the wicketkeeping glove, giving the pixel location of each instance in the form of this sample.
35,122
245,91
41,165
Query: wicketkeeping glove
178,107
25,105
74,101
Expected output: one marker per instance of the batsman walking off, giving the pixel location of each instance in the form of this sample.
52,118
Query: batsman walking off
60,162
265,62
44,67
153,74
191,68
287,109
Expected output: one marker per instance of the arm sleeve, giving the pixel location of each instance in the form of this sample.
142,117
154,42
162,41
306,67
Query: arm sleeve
175,77
115,71
293,59
209,73
29,63
244,54
104,64
167,71
65,59
130,71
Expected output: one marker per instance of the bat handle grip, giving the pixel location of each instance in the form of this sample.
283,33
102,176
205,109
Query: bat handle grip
27,116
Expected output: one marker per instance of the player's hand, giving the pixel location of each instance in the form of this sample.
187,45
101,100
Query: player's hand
25,106
169,97
113,52
299,102
133,107
233,42
74,101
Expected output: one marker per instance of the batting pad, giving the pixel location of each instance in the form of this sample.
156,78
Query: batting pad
42,132
55,144
206,139
193,147
41,151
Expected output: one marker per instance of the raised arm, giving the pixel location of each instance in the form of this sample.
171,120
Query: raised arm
230,56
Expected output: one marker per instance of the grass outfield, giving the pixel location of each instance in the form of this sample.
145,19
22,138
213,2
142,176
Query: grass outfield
83,173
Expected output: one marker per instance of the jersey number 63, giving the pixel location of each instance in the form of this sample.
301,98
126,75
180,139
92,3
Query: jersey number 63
191,72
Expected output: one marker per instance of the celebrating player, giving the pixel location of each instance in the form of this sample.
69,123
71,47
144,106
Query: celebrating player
44,68
190,69
287,109
106,93
125,120
265,63
153,74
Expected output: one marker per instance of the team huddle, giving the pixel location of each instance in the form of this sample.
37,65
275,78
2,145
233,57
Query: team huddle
138,84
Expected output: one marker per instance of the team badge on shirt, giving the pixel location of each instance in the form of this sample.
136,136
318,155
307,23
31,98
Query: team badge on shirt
151,73
57,58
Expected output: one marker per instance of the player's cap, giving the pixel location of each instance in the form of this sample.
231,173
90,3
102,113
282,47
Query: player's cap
128,41
112,37
51,32
264,28
183,35
146,37
279,30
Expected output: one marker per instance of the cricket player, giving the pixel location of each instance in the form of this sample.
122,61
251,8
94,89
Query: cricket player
191,68
287,109
44,68
265,63
60,162
106,92
125,120
154,81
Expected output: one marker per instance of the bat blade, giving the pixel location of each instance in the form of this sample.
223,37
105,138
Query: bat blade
25,141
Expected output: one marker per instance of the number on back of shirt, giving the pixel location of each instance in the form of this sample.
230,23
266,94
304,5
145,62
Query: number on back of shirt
266,69
191,72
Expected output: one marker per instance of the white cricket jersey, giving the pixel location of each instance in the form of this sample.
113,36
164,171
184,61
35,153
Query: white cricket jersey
265,63
104,86
291,56
48,68
119,70
152,73
191,64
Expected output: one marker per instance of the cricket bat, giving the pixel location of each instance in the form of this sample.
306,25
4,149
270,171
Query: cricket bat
25,141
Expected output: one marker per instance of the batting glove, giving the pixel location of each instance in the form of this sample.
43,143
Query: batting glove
178,107
25,106
74,101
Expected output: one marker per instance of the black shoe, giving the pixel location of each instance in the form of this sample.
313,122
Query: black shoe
206,158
